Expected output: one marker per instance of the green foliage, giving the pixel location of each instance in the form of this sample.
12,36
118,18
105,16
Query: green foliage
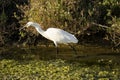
9,17
114,32
74,16
3,18
40,63
112,8
69,15
56,69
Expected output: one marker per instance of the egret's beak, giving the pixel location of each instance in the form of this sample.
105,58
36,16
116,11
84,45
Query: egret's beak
22,27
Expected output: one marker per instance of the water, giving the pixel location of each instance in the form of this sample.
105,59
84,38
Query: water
84,53
41,62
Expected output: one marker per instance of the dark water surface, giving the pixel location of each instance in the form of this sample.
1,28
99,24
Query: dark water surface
84,53
41,63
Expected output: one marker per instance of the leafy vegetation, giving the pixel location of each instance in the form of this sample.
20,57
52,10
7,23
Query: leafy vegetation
39,63
92,21
75,16
57,69
9,27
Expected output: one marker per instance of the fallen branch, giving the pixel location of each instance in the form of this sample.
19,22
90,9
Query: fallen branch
100,25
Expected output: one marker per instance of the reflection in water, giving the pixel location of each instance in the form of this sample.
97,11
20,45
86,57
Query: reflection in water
85,53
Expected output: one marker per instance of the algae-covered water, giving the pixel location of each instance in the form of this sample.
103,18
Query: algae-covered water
41,63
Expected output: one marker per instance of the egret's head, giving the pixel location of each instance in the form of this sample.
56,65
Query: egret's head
30,24
27,25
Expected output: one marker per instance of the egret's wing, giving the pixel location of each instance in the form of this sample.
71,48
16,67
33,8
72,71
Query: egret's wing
60,36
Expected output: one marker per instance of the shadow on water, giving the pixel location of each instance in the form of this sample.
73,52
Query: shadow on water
89,54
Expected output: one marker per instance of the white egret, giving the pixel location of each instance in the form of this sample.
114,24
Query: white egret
58,36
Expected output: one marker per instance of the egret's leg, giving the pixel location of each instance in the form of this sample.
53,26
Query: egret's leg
57,52
56,48
73,49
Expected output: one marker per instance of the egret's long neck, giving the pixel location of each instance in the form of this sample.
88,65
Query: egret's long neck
39,29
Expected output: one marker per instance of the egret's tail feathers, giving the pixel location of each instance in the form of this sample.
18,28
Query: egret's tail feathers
75,39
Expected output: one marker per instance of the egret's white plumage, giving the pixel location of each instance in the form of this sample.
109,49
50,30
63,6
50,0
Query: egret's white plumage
54,34
60,36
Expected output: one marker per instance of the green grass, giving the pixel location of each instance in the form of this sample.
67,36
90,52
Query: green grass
18,64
